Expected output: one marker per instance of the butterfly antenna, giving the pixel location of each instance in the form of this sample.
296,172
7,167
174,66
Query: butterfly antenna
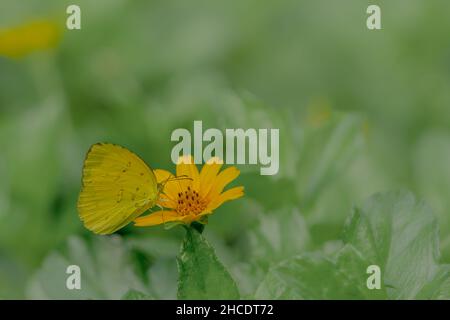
177,178
170,179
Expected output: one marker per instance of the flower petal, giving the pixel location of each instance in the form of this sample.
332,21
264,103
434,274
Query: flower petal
223,178
208,174
162,175
187,167
231,194
24,39
167,202
190,218
158,217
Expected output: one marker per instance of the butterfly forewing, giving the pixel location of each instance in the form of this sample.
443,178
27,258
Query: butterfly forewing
117,187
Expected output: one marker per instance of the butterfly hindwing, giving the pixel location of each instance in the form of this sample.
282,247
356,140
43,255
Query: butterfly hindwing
117,187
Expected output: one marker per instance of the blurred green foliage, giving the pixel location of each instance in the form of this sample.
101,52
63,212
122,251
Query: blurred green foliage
359,111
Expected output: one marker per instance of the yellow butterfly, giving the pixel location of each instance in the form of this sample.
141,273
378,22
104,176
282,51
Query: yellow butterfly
117,187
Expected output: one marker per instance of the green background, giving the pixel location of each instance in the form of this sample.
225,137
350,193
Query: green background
359,112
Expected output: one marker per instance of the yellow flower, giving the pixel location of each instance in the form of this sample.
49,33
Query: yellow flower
26,38
192,199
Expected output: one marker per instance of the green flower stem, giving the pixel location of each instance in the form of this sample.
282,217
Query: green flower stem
198,226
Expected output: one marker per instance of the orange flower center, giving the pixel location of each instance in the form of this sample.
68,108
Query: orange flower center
190,202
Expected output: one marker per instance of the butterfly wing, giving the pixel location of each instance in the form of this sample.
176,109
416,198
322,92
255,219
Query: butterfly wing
117,187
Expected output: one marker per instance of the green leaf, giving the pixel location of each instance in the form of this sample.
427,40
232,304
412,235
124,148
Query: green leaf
160,253
326,153
201,274
314,276
106,268
280,234
432,177
399,234
163,277
352,272
392,230
135,295
439,287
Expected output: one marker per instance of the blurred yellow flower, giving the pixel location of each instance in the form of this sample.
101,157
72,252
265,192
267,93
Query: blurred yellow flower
192,199
319,112
21,40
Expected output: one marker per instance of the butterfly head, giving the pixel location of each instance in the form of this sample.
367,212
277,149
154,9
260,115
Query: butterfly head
160,187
